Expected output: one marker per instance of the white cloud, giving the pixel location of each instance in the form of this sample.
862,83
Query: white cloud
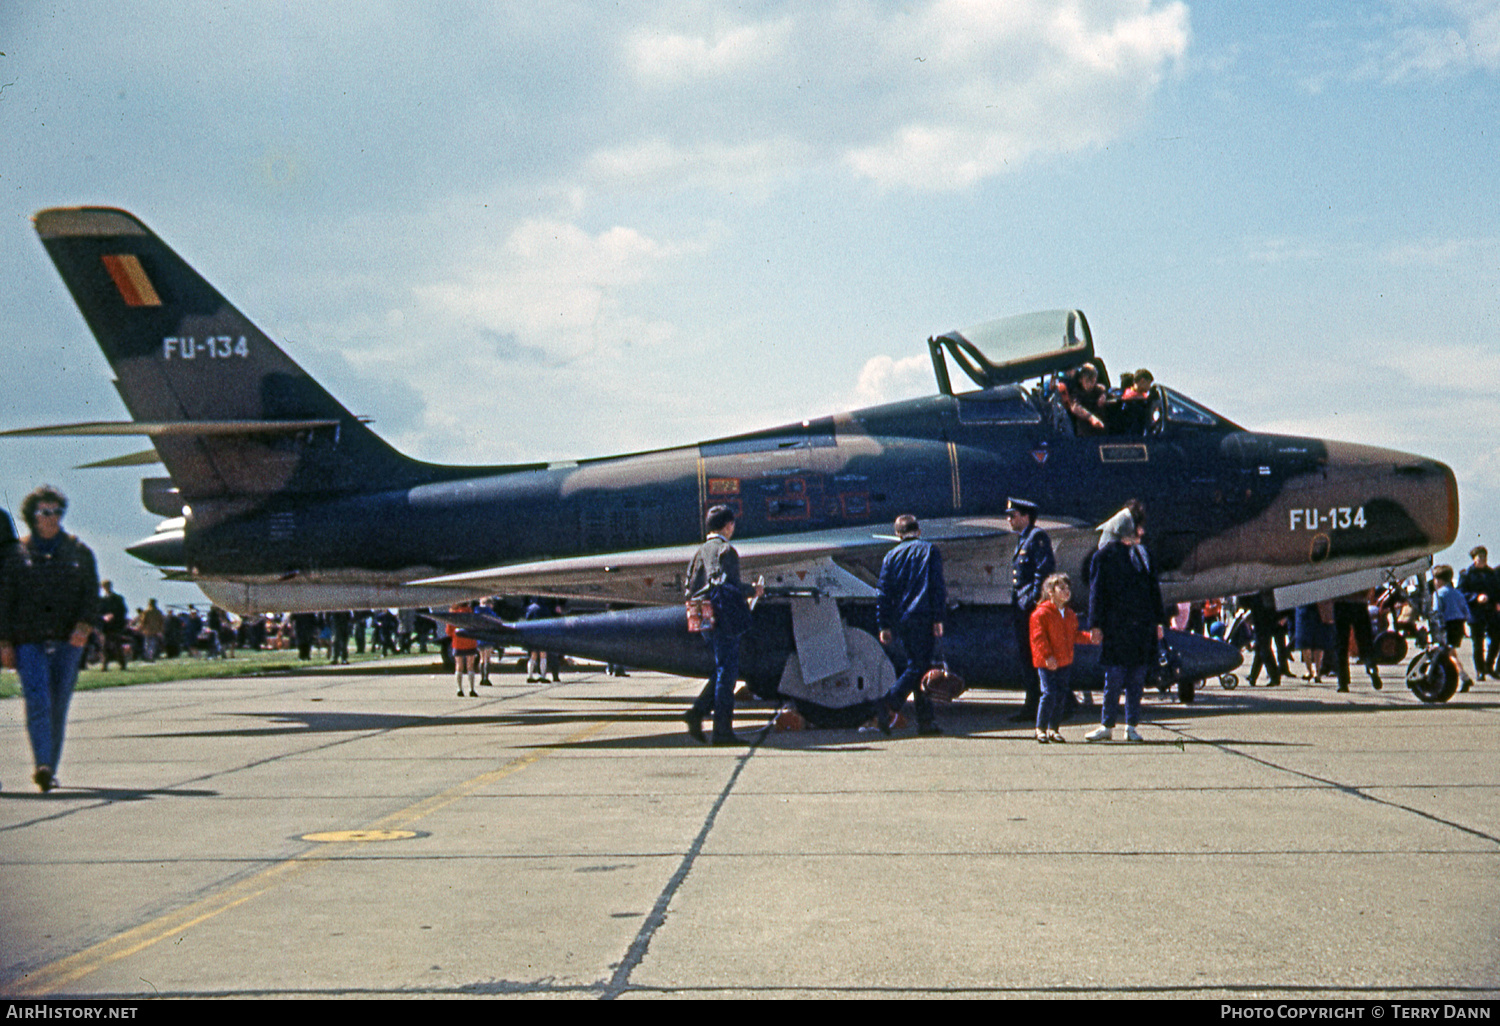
884,379
1425,39
1137,40
553,286
509,346
670,57
1457,372
757,163
1000,83
1282,250
931,96
1469,41
1443,253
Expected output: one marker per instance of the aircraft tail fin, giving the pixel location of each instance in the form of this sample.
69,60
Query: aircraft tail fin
230,413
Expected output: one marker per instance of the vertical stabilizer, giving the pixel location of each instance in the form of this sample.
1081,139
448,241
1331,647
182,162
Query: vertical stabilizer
183,355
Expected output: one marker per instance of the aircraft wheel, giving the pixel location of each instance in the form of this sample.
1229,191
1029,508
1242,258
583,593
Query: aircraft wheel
1229,681
870,675
1431,680
1187,691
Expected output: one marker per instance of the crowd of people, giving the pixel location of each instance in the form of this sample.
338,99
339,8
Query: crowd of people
1124,604
1126,618
1326,637
153,633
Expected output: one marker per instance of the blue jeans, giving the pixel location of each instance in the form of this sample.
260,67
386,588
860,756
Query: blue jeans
718,693
917,642
48,672
1130,679
1049,711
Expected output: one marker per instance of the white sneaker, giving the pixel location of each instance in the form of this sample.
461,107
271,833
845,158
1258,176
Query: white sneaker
1100,734
1131,734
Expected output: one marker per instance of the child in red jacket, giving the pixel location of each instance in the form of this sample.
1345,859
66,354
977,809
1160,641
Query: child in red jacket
465,652
1054,632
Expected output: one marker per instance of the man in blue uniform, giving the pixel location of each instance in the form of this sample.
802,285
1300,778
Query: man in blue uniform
1480,584
1030,565
910,608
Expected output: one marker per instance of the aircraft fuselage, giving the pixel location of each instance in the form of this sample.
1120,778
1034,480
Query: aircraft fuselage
1229,510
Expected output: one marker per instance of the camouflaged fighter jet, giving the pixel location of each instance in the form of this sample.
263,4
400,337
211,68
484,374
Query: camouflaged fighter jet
279,499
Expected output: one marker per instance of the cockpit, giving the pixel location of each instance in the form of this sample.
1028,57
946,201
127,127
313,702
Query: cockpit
1035,368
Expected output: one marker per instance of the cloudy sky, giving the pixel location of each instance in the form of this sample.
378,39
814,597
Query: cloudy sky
524,231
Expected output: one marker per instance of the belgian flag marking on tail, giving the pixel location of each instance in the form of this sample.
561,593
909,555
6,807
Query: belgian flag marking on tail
130,278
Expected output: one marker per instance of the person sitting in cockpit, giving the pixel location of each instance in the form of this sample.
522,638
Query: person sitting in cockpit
1133,412
1083,397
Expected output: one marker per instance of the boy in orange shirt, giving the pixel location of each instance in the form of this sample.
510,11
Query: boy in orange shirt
1054,632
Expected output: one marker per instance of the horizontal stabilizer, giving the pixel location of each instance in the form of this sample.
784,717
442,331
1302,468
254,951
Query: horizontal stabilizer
170,428
144,458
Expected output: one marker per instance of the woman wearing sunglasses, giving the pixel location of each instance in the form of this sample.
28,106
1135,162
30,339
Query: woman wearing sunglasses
49,597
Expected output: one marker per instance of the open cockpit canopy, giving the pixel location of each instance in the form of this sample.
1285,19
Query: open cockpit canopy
1013,349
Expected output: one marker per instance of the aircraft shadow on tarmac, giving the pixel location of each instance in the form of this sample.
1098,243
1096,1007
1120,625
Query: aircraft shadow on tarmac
991,721
367,669
977,720
108,794
282,723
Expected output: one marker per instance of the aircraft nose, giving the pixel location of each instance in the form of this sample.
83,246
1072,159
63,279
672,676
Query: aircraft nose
1387,502
1445,498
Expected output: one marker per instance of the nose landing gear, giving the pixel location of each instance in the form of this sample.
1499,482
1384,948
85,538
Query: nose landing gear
1431,675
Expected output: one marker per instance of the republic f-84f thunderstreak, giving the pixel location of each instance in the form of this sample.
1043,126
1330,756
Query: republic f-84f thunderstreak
280,499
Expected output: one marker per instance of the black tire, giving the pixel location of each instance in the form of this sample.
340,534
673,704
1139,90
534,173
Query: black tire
1229,681
821,717
1187,691
1431,677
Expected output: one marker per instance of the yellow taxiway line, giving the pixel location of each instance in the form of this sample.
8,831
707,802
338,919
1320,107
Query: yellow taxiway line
51,977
